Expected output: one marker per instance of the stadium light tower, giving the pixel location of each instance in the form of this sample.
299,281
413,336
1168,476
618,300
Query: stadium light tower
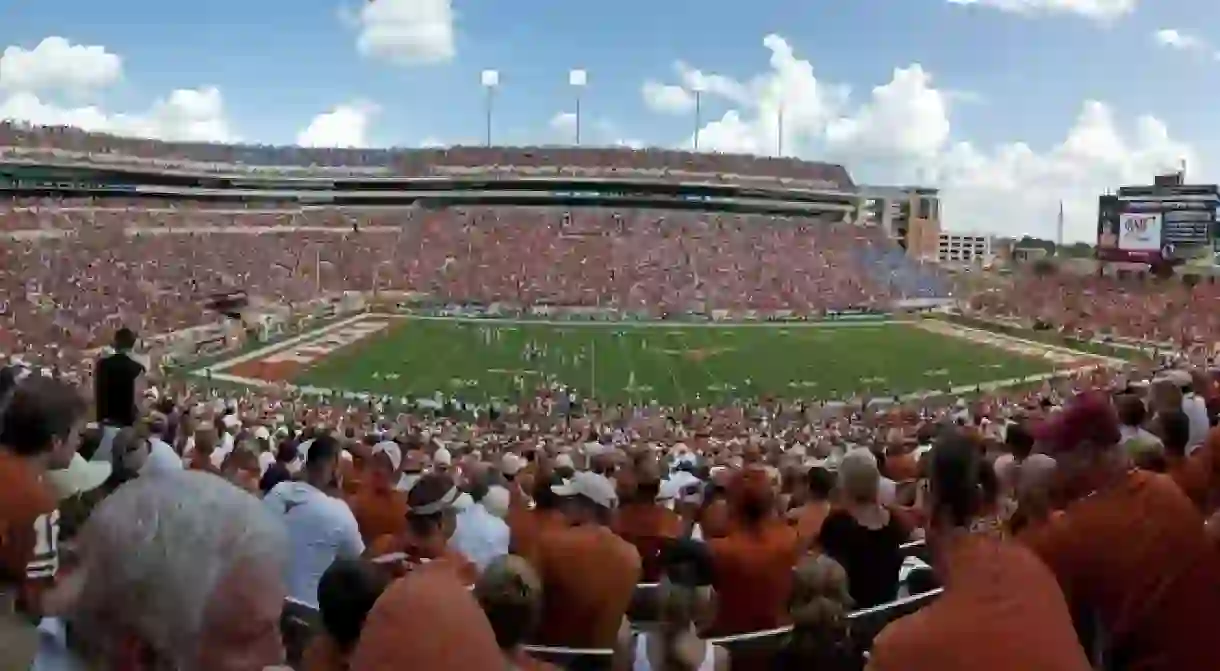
779,133
577,79
491,82
698,90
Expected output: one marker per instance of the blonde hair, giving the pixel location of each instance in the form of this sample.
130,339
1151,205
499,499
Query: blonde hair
510,593
819,605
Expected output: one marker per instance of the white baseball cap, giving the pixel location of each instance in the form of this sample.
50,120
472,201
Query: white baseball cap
597,488
511,464
80,476
390,449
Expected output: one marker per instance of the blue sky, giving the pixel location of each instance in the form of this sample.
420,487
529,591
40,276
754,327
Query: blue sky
1002,76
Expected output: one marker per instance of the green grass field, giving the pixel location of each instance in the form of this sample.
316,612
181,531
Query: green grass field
670,363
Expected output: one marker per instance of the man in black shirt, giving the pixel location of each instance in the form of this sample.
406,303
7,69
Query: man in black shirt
118,381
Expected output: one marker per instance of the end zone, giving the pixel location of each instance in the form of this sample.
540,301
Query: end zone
277,363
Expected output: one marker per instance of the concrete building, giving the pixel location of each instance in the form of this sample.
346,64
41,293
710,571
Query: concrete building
965,248
910,215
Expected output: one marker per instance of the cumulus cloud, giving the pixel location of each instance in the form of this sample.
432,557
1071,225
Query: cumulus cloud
187,115
903,132
563,125
56,65
407,32
1100,10
1177,40
346,125
667,98
35,83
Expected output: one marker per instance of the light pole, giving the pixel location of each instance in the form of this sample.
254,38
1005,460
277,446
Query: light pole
577,79
698,89
491,81
779,135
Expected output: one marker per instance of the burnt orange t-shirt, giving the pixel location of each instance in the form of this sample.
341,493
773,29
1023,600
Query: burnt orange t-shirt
753,576
1002,610
588,576
24,500
526,527
1193,476
417,555
1136,554
648,527
379,511
807,520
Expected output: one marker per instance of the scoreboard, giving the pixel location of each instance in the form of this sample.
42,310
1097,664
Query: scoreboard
1157,224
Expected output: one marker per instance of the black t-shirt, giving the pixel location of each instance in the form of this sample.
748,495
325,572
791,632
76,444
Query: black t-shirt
114,385
871,557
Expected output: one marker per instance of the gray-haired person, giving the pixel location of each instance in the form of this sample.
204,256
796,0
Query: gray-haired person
181,571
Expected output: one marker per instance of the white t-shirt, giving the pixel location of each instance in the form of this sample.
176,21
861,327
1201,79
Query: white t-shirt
1196,411
321,529
161,458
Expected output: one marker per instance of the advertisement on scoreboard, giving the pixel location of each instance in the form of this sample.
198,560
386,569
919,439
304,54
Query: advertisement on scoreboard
1129,237
1152,224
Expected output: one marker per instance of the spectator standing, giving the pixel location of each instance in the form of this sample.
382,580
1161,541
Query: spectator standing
862,535
588,573
320,528
118,384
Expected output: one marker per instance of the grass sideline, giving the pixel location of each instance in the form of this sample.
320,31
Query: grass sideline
667,362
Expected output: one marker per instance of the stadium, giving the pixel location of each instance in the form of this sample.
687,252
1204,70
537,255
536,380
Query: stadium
411,262
606,301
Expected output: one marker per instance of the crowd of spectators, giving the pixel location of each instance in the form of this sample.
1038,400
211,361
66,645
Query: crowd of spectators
73,272
744,538
1139,308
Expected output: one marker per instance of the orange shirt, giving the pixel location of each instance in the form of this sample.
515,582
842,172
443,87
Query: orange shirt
588,578
716,520
23,500
753,576
1001,610
1137,555
902,467
807,520
648,527
419,554
1191,474
527,526
379,512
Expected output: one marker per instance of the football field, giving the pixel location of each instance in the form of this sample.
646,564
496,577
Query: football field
632,362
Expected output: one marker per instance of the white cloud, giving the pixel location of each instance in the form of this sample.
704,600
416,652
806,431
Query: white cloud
906,118
185,115
904,133
407,32
344,126
30,78
56,64
563,125
1100,10
667,98
1175,39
